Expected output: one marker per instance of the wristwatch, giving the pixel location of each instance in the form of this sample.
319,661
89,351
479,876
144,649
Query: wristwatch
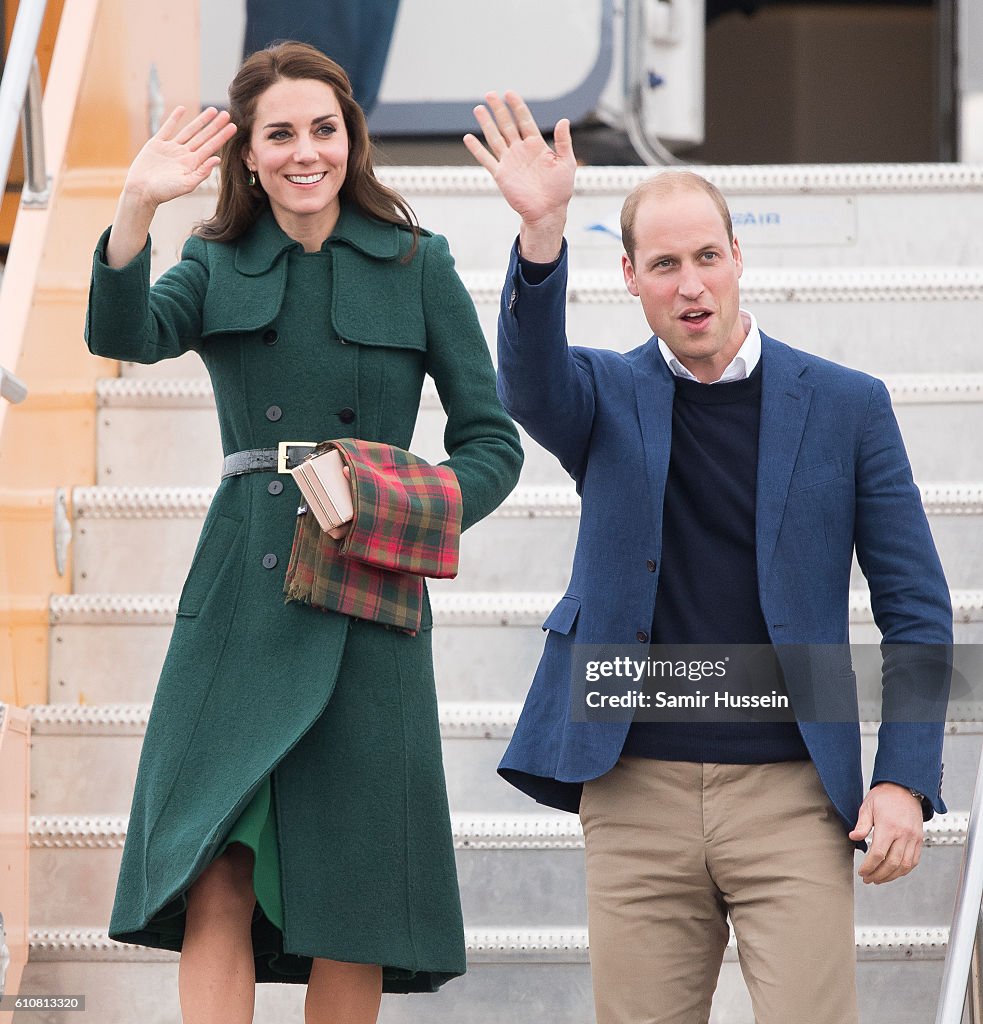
917,795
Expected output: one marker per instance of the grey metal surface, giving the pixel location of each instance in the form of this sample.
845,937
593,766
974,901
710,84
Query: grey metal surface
456,117
647,145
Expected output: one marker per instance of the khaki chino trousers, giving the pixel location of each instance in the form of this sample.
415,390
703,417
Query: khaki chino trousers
674,848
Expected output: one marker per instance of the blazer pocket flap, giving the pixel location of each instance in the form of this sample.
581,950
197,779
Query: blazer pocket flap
564,615
812,476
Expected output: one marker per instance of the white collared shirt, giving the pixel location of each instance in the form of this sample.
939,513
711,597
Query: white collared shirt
740,367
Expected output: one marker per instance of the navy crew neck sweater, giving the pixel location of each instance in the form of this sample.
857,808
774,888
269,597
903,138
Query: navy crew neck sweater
708,585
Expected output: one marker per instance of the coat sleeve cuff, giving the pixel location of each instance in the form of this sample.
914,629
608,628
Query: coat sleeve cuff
523,275
114,288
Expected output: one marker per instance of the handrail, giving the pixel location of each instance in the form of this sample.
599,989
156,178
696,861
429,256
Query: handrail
963,956
16,77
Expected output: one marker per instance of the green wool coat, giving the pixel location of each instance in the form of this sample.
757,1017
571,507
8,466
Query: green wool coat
339,715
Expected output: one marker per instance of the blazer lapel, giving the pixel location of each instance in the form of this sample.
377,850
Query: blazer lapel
785,400
654,392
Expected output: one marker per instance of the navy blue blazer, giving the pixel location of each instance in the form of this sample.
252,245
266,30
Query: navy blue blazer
833,476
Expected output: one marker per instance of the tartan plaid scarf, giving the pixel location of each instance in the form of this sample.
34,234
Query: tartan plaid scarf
407,525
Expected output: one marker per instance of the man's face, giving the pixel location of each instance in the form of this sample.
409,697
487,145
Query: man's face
686,273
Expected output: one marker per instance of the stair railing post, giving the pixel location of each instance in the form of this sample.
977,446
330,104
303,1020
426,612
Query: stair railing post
37,183
961,975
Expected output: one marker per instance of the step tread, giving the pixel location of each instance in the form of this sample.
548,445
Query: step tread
196,392
530,831
770,285
731,179
458,719
547,501
475,608
777,285
498,945
106,502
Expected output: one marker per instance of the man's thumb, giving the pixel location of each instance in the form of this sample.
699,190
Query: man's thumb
865,822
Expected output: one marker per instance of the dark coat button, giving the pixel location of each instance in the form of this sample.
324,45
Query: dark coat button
274,413
641,636
275,487
270,337
347,415
650,565
269,561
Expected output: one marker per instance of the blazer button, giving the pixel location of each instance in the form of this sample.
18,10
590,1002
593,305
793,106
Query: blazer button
347,415
270,337
274,413
275,488
642,637
650,565
270,561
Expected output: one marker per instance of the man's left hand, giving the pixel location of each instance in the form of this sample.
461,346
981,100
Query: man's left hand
895,816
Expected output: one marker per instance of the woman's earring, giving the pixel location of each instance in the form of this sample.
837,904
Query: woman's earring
252,179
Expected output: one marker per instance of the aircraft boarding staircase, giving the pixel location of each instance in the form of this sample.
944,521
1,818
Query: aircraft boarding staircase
880,267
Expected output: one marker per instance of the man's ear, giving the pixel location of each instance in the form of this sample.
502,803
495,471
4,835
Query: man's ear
738,258
629,271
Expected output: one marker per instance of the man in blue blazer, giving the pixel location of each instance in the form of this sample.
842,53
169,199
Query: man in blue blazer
726,481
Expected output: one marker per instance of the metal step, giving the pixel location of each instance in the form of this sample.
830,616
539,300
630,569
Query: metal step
870,319
107,737
154,431
873,319
792,215
534,976
164,432
108,648
520,869
530,537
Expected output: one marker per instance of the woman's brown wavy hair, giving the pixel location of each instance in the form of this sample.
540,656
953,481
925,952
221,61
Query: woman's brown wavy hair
239,203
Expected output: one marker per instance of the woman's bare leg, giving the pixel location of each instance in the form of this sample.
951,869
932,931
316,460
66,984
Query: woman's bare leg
217,976
340,993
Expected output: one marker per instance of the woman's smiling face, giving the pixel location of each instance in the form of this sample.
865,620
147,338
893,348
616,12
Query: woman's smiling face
298,150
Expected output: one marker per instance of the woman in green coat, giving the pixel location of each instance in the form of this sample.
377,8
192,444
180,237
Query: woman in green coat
290,817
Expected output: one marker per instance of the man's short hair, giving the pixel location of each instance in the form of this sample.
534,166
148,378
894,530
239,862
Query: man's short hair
665,184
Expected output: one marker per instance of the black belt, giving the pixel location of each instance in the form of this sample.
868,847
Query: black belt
287,455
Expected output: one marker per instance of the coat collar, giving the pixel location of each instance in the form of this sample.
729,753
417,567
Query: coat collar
265,242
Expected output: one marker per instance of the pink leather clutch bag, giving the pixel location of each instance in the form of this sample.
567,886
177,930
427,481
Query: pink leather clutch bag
325,488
